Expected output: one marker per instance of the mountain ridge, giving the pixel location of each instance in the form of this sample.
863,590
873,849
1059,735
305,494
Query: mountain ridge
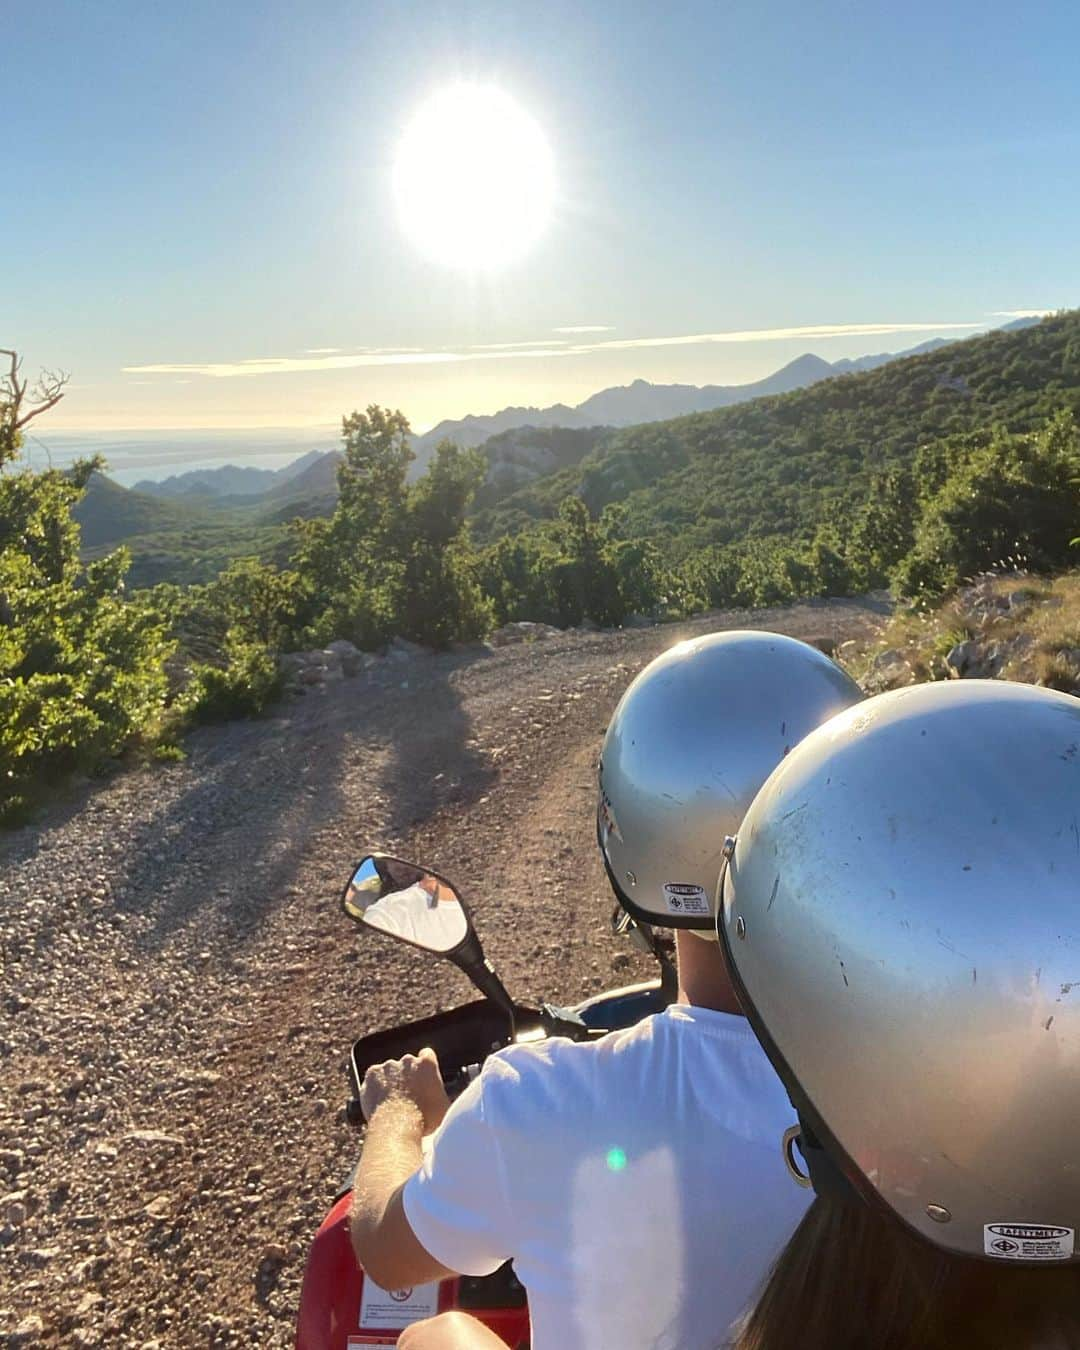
642,401
631,404
623,405
771,466
227,480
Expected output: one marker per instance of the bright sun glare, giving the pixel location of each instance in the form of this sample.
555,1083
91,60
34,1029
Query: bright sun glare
474,178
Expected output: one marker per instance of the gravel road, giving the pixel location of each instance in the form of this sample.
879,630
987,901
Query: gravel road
180,988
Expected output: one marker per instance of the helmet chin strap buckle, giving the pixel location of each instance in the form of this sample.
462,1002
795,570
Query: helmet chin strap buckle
793,1136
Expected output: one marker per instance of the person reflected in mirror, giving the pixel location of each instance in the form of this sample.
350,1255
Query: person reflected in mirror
427,913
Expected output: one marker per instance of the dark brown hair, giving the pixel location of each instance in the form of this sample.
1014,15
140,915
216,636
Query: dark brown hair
853,1278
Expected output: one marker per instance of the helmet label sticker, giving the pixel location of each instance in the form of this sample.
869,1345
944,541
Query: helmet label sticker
682,898
1028,1241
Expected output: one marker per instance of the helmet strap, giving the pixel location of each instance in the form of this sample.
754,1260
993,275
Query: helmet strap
826,1178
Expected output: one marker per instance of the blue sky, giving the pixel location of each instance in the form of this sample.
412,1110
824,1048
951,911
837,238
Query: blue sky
201,185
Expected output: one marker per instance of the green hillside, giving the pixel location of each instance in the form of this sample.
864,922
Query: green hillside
196,553
182,541
773,466
524,454
111,514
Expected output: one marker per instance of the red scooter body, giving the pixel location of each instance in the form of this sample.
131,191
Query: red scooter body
334,1308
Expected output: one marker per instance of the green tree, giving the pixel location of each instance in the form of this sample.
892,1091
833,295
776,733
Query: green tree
586,583
82,665
393,558
515,574
352,565
828,570
1014,501
882,529
441,597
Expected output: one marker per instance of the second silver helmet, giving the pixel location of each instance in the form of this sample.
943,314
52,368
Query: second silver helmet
691,741
902,922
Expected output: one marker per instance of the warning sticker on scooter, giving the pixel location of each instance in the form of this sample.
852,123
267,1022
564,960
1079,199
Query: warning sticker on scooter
1028,1241
682,898
396,1309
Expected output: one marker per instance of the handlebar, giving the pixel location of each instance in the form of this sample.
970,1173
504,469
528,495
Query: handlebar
462,1039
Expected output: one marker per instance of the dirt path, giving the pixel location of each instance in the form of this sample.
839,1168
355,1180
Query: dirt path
180,990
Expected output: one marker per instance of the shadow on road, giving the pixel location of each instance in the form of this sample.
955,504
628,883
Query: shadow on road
219,844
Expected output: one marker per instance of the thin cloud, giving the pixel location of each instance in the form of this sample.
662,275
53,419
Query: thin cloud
824,330
508,346
413,356
285,365
586,328
365,351
1020,313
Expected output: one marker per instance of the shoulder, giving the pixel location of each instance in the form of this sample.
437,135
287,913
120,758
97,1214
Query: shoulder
559,1055
559,1076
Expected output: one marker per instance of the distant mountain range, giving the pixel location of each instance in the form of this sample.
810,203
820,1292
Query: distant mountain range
722,472
631,404
313,475
228,481
625,405
780,467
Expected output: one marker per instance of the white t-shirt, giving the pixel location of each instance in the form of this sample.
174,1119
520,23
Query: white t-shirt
637,1181
414,914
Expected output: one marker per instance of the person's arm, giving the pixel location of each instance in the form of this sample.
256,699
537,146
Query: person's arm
402,1100
449,1331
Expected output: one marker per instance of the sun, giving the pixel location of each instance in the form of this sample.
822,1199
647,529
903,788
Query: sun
473,178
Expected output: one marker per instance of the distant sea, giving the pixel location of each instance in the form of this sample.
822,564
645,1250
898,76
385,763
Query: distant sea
134,455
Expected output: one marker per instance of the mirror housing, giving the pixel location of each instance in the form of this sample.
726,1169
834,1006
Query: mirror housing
416,905
407,902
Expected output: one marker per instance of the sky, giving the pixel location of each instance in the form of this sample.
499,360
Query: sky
200,221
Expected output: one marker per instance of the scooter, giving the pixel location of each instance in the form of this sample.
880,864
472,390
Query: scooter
340,1307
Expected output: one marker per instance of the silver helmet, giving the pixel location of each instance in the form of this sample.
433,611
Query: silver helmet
693,738
901,916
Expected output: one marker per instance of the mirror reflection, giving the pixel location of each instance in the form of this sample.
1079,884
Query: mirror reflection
407,902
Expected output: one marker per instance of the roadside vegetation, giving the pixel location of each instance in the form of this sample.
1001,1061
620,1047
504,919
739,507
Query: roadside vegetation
901,478
1013,626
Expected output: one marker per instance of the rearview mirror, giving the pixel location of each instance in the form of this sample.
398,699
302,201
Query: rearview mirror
417,906
407,902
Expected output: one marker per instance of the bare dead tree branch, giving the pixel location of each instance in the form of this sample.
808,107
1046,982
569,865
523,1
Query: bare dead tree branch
48,392
16,411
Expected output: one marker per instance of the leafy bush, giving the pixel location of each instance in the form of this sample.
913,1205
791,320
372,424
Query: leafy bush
242,686
1012,498
81,664
256,602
